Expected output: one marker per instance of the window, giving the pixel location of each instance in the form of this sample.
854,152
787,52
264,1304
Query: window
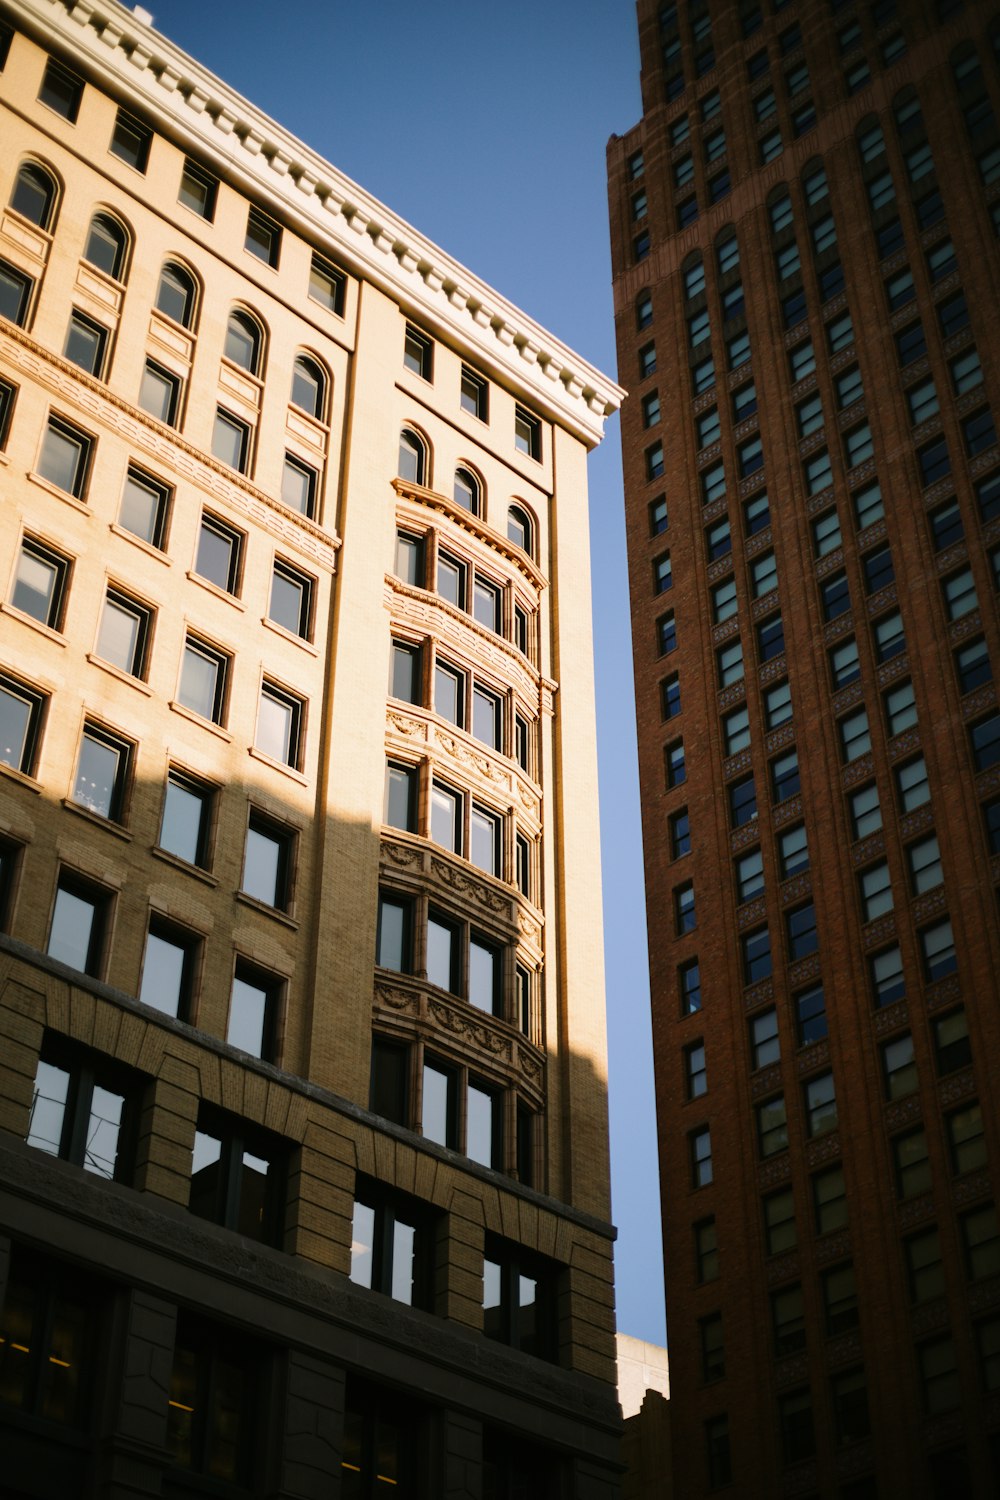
683,174
327,285
924,860
291,597
243,342
840,1300
756,949
65,457
770,639
729,664
857,445
308,391
887,979
527,433
706,1251
700,1146
979,432
263,237
40,581
876,891
254,1003
390,1244
922,401
802,360
899,1070
793,851
675,768
198,190
952,1049
8,394
845,665
703,375
394,941
219,554
757,513
965,1138
647,361
203,681
640,246
749,875
689,981
810,1015
61,90
143,508
738,350
839,333
991,821
49,1372
298,486
695,1079
666,634
778,705
818,472
651,409
187,816
103,772
486,847
680,833
981,1237
238,1177
736,730
865,810
911,785
280,725
900,708
800,927
84,1109
418,353
937,946
717,1452
788,1320
175,295
742,802
911,1163
519,1299
855,736
984,739
124,633
750,456
78,928
772,1126
829,1200
960,597
267,861
635,165
685,917
770,146
160,393
785,781
939,1376
640,205
888,637
168,968
106,246
809,415
34,195
765,1047
231,441
130,140
820,1105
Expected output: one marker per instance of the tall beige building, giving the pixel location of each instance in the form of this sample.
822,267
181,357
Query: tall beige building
303,1158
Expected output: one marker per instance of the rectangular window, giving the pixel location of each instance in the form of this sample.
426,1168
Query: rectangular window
736,731
390,1244
280,725
810,1015
900,708
86,344
204,679
875,889
666,634
818,472
78,928
124,634
299,483
527,433
952,1048
911,1163
61,90
267,861
103,772
263,237
780,1233
394,940
788,1320
689,985
706,1251
474,394
169,966
820,1105
219,555
840,1300
85,1110
800,930
327,285
700,1145
254,1004
40,581
793,851
888,983
418,353
772,1126
143,508
65,457
160,393
866,811
729,664
778,705
231,440
238,1181
756,949
198,190
899,1069
911,785
290,603
829,1200
185,826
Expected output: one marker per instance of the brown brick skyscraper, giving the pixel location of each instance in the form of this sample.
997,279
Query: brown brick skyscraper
804,229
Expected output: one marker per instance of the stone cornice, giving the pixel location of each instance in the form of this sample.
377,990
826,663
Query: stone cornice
191,105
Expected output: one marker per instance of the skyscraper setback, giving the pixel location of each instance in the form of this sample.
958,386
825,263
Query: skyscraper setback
804,232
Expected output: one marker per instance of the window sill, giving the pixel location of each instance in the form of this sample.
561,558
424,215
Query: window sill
120,673
26,619
183,864
268,911
53,489
21,777
213,588
278,765
289,635
137,541
189,713
95,818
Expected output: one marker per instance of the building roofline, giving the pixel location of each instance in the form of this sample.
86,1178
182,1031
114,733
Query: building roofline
120,48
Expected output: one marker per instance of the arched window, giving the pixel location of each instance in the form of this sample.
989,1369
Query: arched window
34,194
412,457
308,386
468,490
244,341
175,295
107,243
519,528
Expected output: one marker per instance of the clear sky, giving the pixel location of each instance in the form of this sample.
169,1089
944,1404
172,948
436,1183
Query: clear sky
484,126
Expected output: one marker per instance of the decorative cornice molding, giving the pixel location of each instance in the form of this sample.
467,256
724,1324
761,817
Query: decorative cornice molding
244,145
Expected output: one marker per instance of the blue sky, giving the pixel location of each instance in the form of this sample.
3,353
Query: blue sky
485,127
